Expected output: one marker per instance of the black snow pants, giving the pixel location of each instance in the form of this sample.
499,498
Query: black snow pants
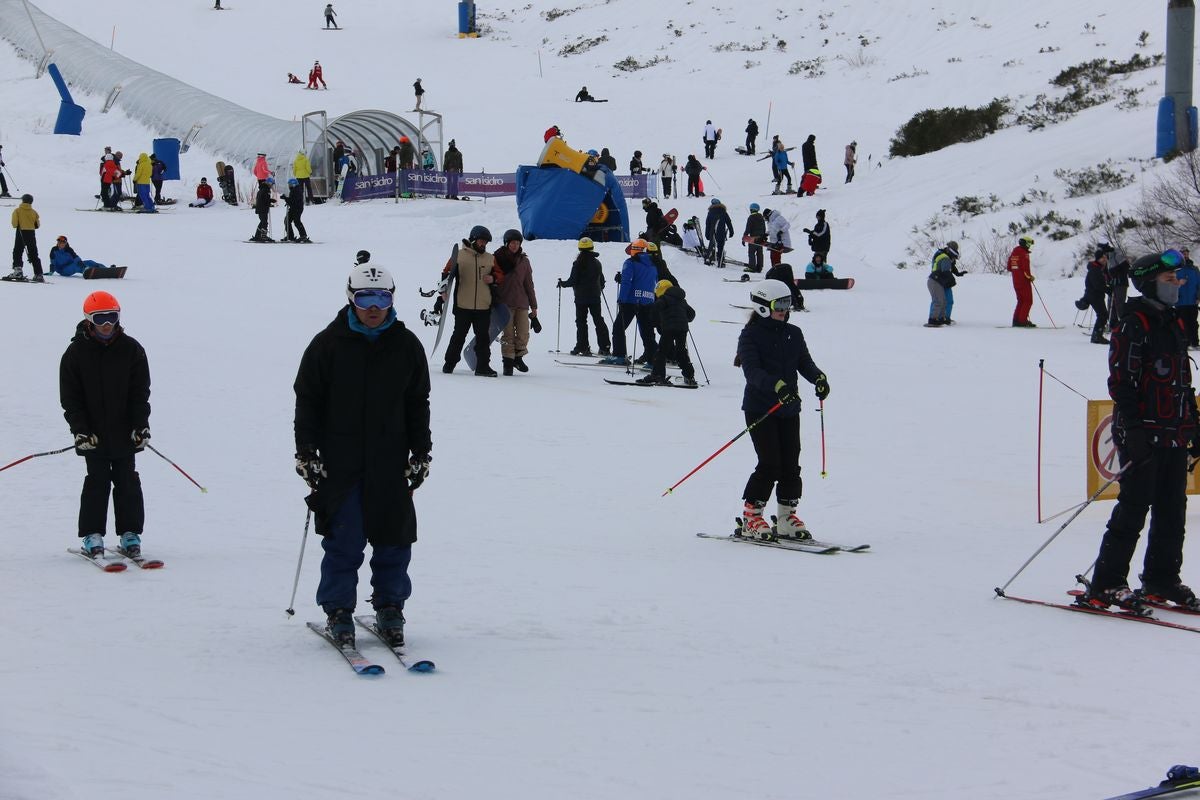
120,475
777,444
468,320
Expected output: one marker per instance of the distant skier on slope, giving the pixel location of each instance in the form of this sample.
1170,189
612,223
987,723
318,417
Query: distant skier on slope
329,16
773,355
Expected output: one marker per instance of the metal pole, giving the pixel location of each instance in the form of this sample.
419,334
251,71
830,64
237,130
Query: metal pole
291,609
1177,80
38,33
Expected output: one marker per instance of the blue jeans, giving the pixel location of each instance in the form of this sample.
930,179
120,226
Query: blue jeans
345,547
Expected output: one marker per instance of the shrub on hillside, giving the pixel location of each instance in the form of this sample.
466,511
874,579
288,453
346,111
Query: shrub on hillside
1168,214
631,64
1052,225
810,68
581,46
1103,177
972,206
933,129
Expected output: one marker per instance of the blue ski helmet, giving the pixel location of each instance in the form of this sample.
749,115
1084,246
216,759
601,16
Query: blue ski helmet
293,182
754,206
593,153
714,202
269,181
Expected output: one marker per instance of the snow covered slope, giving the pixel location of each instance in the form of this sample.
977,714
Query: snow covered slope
589,646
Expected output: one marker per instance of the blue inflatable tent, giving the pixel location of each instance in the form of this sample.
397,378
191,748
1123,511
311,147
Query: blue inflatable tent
556,203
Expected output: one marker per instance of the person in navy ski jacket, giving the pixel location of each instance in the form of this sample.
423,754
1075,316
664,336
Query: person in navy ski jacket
635,300
773,356
1188,292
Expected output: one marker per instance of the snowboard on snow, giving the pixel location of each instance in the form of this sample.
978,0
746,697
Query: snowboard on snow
97,273
809,284
500,317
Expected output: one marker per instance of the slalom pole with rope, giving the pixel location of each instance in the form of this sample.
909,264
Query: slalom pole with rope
821,411
151,448
1000,589
745,430
37,455
291,609
1043,302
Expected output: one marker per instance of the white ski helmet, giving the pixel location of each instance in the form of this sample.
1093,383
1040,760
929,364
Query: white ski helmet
368,276
766,293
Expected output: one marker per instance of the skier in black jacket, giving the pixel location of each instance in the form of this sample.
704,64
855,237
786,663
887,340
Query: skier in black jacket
672,315
756,230
1154,424
819,236
295,208
635,163
751,136
104,389
607,160
363,446
262,207
717,228
808,152
656,222
772,354
587,280
1095,292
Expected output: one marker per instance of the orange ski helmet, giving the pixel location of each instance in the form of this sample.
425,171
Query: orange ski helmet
100,301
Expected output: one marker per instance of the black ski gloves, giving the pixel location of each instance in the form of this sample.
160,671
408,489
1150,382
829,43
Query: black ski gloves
417,471
309,467
85,442
1136,446
536,324
822,386
785,393
139,438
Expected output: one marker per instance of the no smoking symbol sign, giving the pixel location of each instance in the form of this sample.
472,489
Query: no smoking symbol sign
1104,450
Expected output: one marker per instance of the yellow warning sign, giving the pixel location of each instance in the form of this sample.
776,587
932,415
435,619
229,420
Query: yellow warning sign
1103,460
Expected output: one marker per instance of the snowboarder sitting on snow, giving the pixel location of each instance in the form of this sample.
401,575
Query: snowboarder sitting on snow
104,389
64,261
817,269
809,183
587,281
584,97
293,79
204,195
672,314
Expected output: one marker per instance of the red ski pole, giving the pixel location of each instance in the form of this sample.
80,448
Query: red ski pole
1043,302
176,466
37,455
747,429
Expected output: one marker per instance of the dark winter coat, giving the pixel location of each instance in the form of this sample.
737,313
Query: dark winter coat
294,200
770,351
717,224
635,166
262,200
756,226
407,154
104,389
157,168
693,168
587,278
1149,375
655,220
607,160
364,407
662,271
673,311
1095,282
752,129
808,153
453,161
819,237
943,268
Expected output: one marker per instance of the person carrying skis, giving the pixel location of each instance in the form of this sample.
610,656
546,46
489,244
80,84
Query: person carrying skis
329,16
666,172
672,314
1022,279
587,282
773,355
850,160
780,169
474,274
418,93
25,222
302,171
1186,306
516,291
104,390
756,231
710,139
692,169
142,172
635,299
819,236
751,136
1095,292
941,281
1154,425
362,439
779,235
295,208
717,228
262,207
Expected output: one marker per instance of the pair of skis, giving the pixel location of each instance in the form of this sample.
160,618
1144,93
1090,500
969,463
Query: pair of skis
798,545
1180,778
360,663
1113,614
121,560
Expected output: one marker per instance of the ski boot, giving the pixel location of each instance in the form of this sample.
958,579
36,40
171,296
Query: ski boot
788,525
1174,593
581,351
340,624
92,545
131,544
37,279
690,381
390,622
653,380
621,360
753,526
605,352
15,275
430,318
1119,596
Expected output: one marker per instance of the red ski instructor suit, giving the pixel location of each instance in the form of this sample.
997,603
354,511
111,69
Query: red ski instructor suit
1022,278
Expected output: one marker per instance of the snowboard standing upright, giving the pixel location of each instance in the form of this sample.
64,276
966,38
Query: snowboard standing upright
500,317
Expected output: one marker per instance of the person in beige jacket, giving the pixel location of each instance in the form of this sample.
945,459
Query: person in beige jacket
516,292
26,221
474,274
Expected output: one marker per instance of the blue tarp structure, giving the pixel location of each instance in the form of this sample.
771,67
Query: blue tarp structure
555,203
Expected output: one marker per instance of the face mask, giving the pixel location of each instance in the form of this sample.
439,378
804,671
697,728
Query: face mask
1167,293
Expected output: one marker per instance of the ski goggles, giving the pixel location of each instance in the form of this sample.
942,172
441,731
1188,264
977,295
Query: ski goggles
781,304
104,317
1171,258
372,298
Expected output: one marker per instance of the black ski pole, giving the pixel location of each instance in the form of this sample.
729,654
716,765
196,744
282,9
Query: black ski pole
1000,590
291,609
37,455
558,336
11,178
699,360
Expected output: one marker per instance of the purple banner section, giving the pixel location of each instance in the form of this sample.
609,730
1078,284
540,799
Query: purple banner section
430,182
476,184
